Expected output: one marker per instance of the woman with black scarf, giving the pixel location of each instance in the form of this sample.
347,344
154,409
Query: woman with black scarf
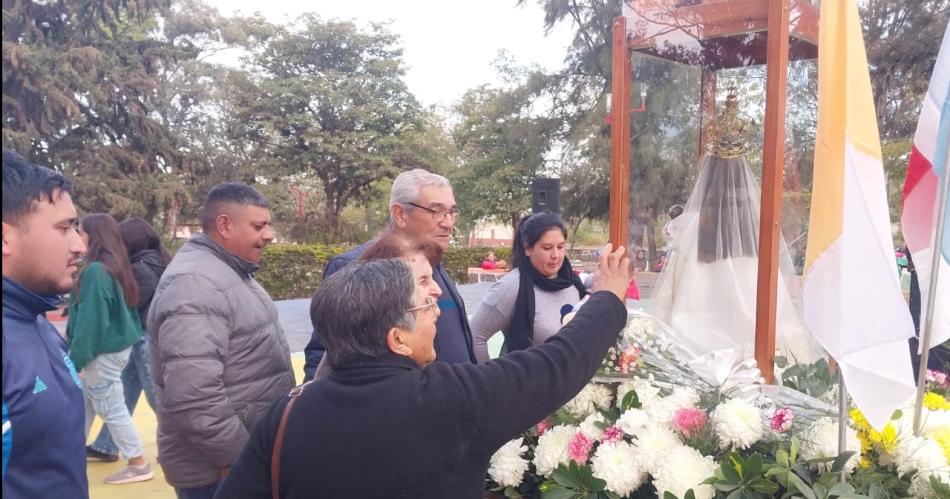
526,304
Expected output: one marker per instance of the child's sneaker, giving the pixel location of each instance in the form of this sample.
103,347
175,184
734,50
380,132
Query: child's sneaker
131,474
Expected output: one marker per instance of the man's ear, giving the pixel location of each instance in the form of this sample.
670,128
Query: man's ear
9,235
399,215
222,223
395,340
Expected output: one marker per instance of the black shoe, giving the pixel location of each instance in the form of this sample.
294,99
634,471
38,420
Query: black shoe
94,455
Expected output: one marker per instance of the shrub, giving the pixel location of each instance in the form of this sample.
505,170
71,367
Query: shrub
458,260
294,270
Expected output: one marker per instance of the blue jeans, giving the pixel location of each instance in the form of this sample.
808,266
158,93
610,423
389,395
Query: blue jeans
102,390
206,492
136,378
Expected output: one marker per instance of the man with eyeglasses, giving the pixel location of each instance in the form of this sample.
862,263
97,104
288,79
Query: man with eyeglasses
387,421
422,208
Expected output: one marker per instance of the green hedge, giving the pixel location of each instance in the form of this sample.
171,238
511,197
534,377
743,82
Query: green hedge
458,260
296,270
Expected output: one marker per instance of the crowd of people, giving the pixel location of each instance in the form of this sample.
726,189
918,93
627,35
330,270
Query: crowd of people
400,385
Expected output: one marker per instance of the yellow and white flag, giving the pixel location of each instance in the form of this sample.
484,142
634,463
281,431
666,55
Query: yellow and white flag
852,297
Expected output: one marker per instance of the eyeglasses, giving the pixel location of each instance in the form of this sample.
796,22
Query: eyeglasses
431,306
440,214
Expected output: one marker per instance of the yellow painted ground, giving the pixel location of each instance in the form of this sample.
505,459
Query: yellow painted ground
156,488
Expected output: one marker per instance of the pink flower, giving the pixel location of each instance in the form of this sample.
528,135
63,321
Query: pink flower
782,419
938,377
689,421
543,426
629,359
612,433
579,448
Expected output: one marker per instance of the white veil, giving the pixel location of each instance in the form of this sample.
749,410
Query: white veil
707,290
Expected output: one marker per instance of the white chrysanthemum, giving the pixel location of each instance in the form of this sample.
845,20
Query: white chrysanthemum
507,467
590,427
684,468
926,457
617,464
738,423
552,449
931,421
594,396
662,410
821,441
632,421
647,393
652,444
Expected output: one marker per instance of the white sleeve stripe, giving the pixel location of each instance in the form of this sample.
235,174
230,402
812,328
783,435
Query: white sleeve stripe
7,426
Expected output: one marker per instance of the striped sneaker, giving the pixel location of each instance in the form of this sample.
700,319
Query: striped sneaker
131,474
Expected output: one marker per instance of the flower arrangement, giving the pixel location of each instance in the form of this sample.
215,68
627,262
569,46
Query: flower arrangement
651,425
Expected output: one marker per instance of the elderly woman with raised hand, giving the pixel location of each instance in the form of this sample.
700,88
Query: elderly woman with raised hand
526,304
390,422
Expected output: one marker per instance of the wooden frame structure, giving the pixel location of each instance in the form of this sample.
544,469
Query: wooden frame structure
726,33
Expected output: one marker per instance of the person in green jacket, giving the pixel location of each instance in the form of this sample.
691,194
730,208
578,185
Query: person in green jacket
103,326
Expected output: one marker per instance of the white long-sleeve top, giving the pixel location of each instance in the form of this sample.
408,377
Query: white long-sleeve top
495,311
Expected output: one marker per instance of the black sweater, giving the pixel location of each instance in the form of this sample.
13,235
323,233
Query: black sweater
387,428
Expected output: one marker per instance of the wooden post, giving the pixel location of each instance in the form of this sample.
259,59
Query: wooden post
773,161
621,80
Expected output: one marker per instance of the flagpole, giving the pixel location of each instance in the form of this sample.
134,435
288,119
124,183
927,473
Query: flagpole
931,296
842,421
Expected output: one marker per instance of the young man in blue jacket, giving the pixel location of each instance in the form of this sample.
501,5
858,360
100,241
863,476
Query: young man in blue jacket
44,448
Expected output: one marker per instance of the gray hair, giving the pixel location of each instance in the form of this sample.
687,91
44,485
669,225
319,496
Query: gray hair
229,193
357,305
407,185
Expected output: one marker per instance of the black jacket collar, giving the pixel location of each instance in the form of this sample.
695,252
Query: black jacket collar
23,303
366,370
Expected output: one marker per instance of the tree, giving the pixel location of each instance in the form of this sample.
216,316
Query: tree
328,100
502,140
79,87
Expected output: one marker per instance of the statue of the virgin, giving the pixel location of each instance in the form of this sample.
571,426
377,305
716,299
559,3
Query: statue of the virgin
707,290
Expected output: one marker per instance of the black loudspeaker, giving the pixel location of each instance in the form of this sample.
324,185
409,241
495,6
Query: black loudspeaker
545,195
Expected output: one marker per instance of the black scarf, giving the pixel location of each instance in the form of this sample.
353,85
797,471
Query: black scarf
521,329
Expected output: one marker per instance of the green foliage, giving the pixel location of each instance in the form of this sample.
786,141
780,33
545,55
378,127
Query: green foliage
815,379
334,107
501,142
294,271
575,482
457,260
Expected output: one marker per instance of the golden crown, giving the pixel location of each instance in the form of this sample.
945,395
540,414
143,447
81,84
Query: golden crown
728,133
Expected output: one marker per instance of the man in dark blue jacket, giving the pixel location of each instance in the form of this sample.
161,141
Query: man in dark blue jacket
44,448
422,208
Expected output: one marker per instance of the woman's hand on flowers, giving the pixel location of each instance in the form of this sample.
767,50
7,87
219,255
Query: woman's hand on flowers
613,271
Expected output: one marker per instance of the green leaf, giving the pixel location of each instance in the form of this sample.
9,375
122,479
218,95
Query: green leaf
793,451
630,401
567,476
753,466
800,485
690,494
556,492
669,495
841,461
764,486
781,458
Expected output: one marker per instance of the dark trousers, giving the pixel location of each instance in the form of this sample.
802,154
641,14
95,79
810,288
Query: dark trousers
206,492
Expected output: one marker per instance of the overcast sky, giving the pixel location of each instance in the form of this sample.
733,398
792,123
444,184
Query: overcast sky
448,45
